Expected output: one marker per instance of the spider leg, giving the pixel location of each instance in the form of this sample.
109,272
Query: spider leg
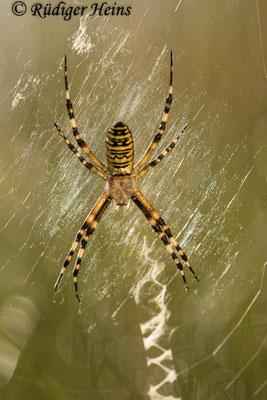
162,126
76,134
161,223
153,218
89,233
174,242
80,157
163,154
90,222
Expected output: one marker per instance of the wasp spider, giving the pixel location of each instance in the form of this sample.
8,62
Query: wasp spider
121,175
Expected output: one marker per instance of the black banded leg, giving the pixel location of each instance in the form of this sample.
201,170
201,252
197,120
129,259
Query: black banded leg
163,154
76,134
166,230
141,204
166,242
89,233
70,255
174,242
95,213
79,156
162,126
77,266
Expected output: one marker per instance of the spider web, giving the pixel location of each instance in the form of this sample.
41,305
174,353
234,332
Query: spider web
137,334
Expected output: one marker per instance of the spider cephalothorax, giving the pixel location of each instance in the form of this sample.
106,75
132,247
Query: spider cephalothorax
120,176
121,189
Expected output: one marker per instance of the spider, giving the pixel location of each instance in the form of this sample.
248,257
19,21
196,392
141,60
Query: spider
121,175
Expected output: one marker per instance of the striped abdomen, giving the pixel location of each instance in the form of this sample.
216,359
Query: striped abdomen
120,151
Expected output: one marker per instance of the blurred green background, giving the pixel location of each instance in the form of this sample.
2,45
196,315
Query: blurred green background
137,334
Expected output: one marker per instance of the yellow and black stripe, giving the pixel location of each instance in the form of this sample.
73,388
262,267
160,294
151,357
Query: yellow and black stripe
163,154
84,233
76,133
120,150
97,212
162,126
159,226
79,156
